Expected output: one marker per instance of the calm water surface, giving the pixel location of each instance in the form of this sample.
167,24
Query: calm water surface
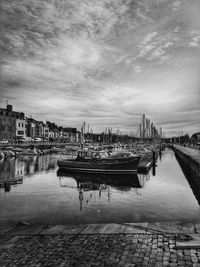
45,195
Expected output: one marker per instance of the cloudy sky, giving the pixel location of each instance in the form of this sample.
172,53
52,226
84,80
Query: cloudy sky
105,62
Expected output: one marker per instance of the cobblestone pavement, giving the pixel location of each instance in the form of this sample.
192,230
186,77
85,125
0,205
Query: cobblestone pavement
96,250
133,244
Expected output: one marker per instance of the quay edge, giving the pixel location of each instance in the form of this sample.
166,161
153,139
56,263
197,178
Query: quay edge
190,161
128,244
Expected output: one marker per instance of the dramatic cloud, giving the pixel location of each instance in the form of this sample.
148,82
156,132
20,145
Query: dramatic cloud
105,62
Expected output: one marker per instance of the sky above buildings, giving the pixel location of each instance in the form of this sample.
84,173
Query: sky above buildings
105,62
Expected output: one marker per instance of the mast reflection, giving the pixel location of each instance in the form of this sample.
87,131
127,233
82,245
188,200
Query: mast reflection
103,184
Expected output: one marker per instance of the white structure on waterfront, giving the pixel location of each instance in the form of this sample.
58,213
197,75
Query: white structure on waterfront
20,127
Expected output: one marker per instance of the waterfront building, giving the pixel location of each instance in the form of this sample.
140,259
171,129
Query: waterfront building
20,127
39,129
54,130
36,129
69,134
52,134
45,131
30,128
7,126
195,138
12,123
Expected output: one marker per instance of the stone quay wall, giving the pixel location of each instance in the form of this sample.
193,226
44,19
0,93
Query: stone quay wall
190,161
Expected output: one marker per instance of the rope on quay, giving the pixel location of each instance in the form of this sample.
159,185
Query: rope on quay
179,237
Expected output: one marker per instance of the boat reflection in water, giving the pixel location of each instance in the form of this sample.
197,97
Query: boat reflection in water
101,183
12,171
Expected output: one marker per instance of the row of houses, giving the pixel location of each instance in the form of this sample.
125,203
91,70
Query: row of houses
14,125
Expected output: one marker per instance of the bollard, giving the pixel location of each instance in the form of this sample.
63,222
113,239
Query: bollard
154,156
154,163
154,169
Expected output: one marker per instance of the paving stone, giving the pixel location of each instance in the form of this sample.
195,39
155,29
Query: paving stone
194,259
173,256
193,251
181,263
165,263
186,252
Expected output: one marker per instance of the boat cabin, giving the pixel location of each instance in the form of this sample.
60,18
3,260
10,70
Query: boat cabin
122,154
88,154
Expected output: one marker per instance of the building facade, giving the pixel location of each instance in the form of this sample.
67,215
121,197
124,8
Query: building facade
30,128
20,127
11,123
45,131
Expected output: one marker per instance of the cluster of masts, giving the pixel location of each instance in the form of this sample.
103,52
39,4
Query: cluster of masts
147,129
85,129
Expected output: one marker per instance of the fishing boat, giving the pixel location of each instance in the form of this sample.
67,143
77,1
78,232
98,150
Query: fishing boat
101,162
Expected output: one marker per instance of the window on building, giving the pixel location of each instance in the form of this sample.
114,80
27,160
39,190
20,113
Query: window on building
19,124
22,125
20,132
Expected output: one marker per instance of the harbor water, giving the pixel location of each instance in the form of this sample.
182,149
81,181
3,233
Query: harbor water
36,192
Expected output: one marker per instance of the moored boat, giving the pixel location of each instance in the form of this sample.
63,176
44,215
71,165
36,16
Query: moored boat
101,162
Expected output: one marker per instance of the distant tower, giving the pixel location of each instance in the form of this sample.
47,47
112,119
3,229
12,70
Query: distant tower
149,129
143,125
140,131
84,127
160,132
152,133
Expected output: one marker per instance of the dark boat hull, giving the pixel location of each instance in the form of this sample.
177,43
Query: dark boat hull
101,166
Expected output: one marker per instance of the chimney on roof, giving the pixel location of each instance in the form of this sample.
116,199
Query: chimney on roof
9,108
